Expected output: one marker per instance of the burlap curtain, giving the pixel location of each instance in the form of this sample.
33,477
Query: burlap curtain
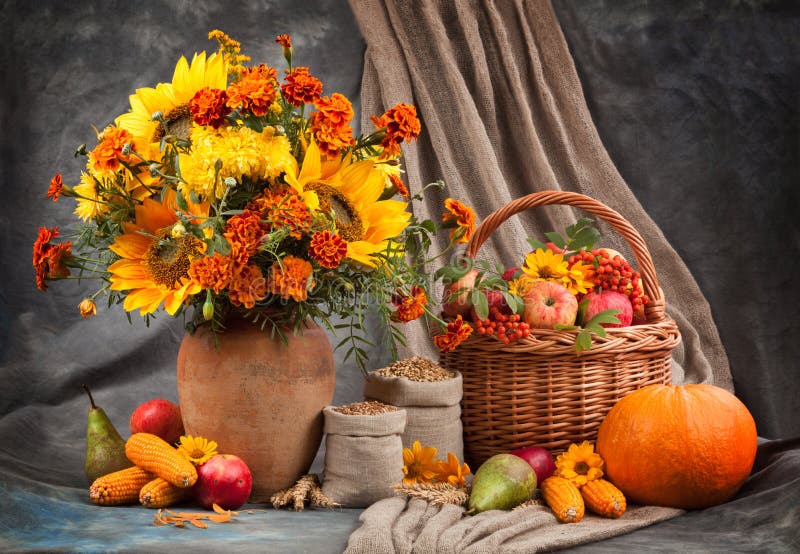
504,115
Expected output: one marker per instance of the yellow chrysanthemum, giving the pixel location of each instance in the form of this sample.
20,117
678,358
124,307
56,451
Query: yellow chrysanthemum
154,266
521,285
241,151
578,278
197,449
580,464
171,100
545,265
351,191
418,464
90,205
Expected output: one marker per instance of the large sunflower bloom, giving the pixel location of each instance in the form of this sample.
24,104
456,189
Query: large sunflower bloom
154,267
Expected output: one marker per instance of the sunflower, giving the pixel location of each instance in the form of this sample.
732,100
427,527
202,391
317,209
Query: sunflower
154,266
545,265
197,449
418,464
351,191
580,464
171,100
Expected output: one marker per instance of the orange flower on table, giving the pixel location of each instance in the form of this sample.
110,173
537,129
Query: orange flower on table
301,87
327,249
255,91
457,331
580,464
452,471
212,272
401,123
56,186
106,156
87,308
461,218
209,107
283,209
418,464
291,278
247,286
409,306
284,40
244,232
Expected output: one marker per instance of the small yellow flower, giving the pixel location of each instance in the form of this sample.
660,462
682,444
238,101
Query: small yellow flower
419,464
87,307
578,278
545,265
197,449
580,464
521,285
452,471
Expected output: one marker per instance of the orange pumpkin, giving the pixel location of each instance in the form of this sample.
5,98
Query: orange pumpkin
683,446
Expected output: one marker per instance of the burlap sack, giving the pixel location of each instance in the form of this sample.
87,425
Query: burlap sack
433,409
363,456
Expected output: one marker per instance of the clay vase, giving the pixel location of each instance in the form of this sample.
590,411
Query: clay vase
258,397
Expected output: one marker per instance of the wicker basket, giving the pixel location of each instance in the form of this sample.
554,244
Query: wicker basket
539,391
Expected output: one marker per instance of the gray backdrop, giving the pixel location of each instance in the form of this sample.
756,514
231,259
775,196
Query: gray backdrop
697,104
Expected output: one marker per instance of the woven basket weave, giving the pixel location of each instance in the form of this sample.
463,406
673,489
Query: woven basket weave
539,391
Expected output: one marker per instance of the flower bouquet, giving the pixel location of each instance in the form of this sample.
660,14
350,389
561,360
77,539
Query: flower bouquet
233,190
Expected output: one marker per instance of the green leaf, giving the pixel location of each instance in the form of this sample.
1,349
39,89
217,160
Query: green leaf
582,310
606,316
181,201
583,341
586,238
563,327
556,239
428,225
481,304
221,245
511,300
536,245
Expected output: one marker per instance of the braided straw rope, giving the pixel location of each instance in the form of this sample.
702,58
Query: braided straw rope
538,391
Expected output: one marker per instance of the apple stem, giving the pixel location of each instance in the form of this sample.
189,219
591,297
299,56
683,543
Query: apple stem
90,396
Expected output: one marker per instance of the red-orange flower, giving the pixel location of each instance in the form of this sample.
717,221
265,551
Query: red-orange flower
247,286
57,257
284,40
209,107
212,272
331,124
409,306
456,332
398,183
56,185
291,278
244,232
107,154
328,249
49,260
461,218
42,243
301,87
282,209
401,123
254,92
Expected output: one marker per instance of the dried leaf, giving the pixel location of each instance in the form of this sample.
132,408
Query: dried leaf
198,523
220,518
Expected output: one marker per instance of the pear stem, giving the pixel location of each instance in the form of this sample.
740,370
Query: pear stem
90,396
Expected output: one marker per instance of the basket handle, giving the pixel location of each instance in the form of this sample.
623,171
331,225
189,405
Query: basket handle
655,309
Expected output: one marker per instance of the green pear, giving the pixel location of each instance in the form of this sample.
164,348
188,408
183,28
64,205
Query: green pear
501,483
105,448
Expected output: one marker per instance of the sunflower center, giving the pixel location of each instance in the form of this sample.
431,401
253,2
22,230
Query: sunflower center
168,260
177,122
348,222
581,468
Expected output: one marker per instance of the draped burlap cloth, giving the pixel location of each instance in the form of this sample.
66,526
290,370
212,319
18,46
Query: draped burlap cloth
504,115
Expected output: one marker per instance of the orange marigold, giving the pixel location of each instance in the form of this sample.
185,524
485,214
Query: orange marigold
401,124
331,124
400,186
409,306
56,185
107,154
301,87
49,260
247,286
291,278
209,107
461,218
244,232
283,208
212,272
42,243
327,248
284,40
255,91
456,332
57,257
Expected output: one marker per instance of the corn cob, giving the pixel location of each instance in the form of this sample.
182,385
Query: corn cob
159,493
603,498
119,487
564,498
156,455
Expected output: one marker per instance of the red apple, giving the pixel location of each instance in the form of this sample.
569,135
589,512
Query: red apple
609,300
494,299
458,304
159,417
509,273
224,480
539,459
548,304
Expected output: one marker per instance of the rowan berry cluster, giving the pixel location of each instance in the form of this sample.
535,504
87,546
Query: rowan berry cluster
506,328
614,274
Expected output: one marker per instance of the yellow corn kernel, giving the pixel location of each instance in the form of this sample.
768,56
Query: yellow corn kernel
155,455
119,487
159,493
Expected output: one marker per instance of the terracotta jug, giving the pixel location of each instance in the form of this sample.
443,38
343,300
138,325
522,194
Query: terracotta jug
258,397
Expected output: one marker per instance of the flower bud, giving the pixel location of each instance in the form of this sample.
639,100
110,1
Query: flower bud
87,308
126,149
178,230
230,182
208,307
218,165
153,170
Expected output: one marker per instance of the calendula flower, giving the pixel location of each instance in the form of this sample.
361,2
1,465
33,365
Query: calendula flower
291,278
209,107
327,249
456,332
409,306
401,124
460,218
578,278
301,87
580,464
56,186
197,449
418,464
247,286
452,471
545,265
87,307
212,272
255,91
